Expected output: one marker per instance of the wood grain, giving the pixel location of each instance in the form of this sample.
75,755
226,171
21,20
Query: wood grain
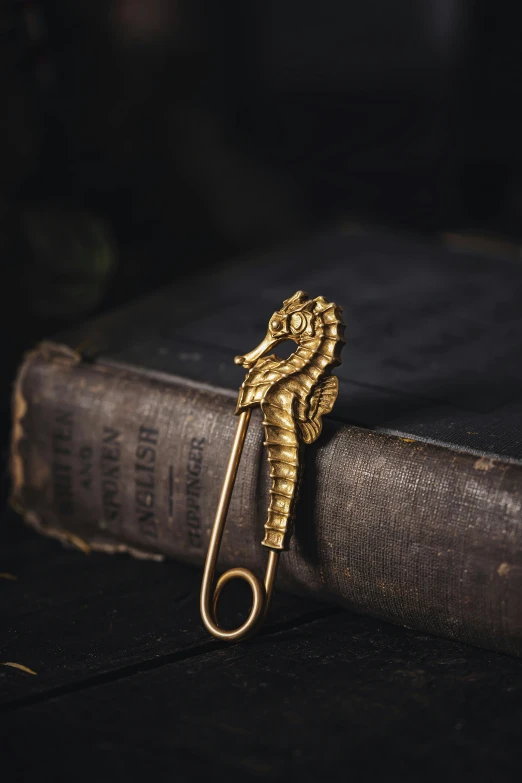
128,687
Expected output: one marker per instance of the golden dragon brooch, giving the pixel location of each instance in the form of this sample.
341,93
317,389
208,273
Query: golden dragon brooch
294,394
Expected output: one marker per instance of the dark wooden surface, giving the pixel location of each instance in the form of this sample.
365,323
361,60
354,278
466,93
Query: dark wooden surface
129,686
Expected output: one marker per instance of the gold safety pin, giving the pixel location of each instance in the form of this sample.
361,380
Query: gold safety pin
294,394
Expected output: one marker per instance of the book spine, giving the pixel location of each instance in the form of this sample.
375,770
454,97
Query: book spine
409,532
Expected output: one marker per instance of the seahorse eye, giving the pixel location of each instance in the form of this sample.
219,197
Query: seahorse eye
297,323
275,325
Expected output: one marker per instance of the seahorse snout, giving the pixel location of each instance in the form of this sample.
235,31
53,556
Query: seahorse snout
249,359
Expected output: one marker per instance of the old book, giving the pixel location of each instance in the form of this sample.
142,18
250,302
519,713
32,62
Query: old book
411,503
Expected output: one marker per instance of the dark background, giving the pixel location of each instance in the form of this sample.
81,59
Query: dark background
145,140
142,139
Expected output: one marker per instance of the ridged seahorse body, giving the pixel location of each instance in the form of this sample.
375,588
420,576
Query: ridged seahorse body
294,394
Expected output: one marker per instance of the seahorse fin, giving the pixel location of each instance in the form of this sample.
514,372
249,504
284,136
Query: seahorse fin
324,396
309,429
321,402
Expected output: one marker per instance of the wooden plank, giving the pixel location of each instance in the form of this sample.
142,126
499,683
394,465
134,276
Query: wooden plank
341,695
74,618
314,697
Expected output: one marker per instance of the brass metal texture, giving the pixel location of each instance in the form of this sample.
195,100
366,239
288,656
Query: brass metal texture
294,394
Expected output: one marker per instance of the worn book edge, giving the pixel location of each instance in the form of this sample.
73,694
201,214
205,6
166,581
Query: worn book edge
60,353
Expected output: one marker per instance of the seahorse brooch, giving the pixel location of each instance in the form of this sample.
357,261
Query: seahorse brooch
294,394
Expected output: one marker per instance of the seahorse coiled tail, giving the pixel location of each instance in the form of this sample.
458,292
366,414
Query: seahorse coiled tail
294,394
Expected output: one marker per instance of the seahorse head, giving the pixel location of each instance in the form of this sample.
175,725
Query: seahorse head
300,319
